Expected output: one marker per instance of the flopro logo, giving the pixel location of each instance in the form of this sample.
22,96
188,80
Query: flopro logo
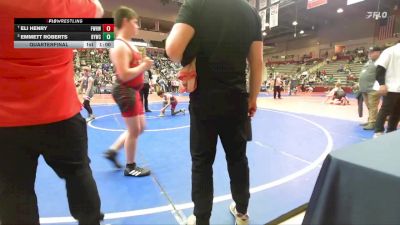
377,15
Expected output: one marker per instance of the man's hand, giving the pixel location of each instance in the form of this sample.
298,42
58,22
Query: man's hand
252,107
255,59
383,90
148,63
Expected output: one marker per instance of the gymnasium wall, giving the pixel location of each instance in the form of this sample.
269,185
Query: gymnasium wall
358,33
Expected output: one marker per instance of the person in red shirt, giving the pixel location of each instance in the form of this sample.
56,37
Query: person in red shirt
36,120
130,68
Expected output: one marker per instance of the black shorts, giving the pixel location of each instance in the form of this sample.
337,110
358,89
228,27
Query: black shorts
124,96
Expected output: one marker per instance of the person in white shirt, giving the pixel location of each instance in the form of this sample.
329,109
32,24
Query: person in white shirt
278,86
144,92
388,77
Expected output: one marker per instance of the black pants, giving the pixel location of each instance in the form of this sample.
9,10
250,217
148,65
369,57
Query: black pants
144,95
86,105
64,148
390,107
277,89
203,140
169,87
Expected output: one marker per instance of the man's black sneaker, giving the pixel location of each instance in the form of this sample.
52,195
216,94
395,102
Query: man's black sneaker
137,172
148,110
112,156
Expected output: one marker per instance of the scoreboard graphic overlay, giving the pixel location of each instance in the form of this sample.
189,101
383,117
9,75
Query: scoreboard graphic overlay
63,33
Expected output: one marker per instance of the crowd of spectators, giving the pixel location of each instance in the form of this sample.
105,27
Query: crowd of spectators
165,71
166,74
103,72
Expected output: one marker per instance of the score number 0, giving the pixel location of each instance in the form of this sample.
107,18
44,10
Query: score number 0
108,32
108,27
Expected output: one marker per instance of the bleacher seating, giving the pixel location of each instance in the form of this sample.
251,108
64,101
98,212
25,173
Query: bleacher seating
283,69
332,69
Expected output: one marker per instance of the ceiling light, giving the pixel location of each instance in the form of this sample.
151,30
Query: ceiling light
294,23
264,33
340,10
302,32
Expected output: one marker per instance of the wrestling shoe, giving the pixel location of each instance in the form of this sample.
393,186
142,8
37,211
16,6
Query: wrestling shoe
112,156
136,172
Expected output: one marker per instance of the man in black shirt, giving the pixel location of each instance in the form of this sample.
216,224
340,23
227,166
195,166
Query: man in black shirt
226,32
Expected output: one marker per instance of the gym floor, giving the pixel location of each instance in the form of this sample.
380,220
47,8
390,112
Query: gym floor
291,138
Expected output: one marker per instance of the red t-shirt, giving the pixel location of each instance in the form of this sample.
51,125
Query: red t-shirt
36,85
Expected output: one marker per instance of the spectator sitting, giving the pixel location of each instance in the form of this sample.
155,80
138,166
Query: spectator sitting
341,68
331,79
351,77
347,69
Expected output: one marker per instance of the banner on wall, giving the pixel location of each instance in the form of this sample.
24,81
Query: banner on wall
315,3
273,15
349,2
263,15
263,4
387,28
253,3
274,1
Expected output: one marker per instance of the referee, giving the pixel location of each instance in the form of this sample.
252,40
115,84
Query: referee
388,77
144,92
